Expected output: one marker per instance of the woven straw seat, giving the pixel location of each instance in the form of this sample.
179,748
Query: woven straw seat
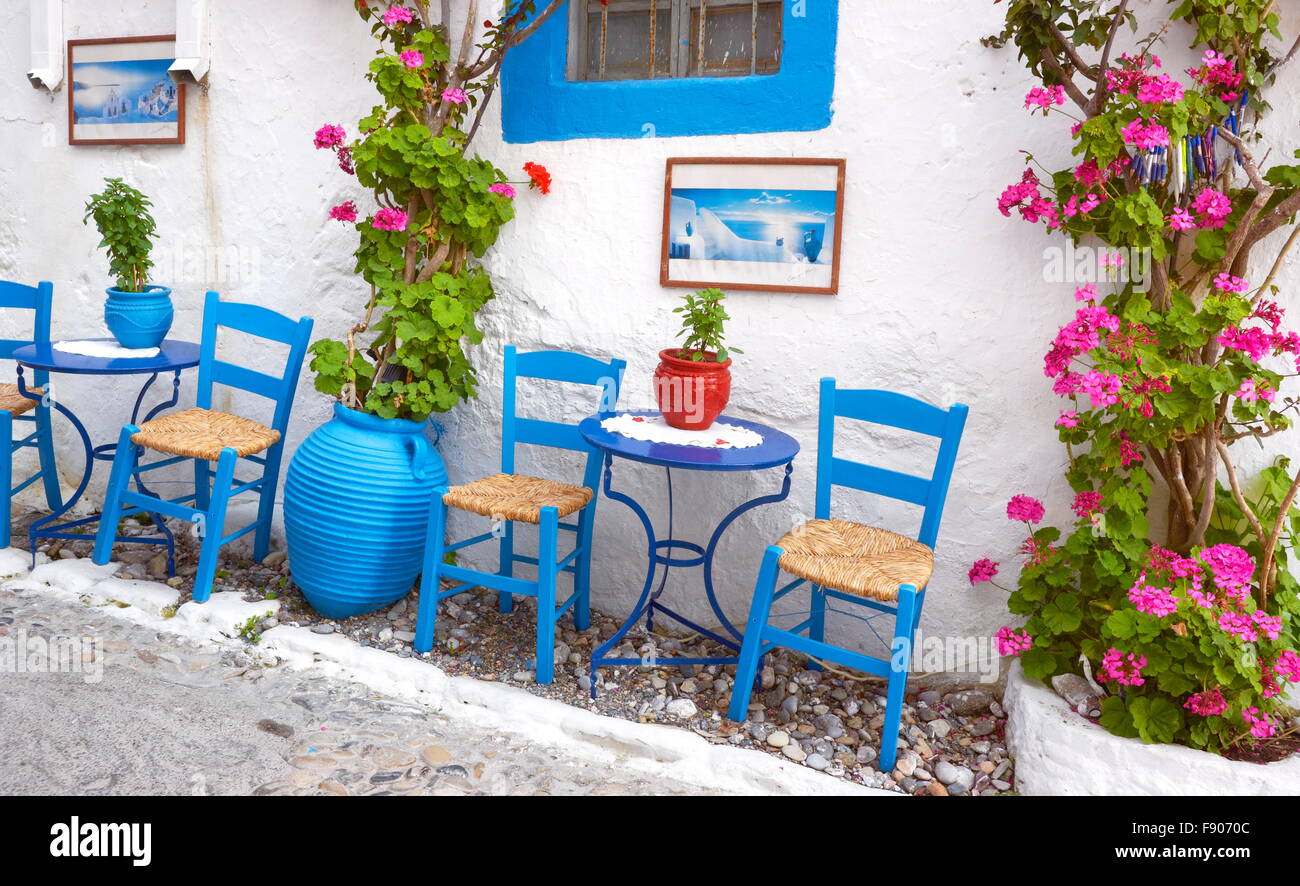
857,559
203,433
516,497
14,402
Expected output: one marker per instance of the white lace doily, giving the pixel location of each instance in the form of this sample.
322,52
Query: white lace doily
106,349
719,435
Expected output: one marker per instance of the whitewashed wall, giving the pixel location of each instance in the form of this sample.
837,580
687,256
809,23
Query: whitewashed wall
940,296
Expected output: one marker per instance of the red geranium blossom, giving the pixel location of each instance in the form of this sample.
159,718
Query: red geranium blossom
541,178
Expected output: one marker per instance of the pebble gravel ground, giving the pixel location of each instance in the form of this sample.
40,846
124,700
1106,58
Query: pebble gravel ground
951,743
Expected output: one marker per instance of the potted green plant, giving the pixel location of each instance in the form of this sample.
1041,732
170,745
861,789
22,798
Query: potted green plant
138,313
358,489
693,382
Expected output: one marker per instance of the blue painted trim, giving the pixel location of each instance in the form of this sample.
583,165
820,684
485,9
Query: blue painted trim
539,103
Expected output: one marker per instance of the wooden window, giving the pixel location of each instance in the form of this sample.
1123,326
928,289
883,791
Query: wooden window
656,39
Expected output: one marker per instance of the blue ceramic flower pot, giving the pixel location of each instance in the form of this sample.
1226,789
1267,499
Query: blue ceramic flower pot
356,509
139,319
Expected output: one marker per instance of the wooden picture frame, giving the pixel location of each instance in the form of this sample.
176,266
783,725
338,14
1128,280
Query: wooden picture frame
753,223
134,102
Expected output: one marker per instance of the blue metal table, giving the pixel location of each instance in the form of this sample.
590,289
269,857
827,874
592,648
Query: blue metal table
778,449
173,356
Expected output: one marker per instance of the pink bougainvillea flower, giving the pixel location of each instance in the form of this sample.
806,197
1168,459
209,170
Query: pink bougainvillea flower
1024,509
398,14
1229,283
1011,642
389,220
503,189
1288,665
330,136
1251,391
346,212
412,58
454,96
1181,220
1208,703
983,570
1161,89
1039,97
1144,134
1212,207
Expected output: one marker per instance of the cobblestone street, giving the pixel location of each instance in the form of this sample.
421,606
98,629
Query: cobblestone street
172,717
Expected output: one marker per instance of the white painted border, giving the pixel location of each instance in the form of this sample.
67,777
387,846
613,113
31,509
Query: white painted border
1058,752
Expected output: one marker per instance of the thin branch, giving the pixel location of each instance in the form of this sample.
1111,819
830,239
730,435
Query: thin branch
1207,501
1266,564
1071,50
1099,95
1277,264
1236,493
1075,93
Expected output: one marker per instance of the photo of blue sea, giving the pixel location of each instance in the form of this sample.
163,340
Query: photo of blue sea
729,224
137,91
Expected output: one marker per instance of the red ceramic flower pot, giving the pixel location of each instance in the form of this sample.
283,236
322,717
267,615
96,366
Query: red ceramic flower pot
691,393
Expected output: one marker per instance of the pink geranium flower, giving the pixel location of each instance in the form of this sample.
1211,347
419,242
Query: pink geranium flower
1025,509
398,14
330,136
412,58
345,212
503,189
1011,642
983,570
389,220
454,96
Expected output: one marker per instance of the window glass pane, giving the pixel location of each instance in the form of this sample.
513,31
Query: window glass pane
627,40
728,39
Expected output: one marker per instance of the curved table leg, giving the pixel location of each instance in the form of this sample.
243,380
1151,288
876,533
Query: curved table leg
648,602
712,546
48,519
104,452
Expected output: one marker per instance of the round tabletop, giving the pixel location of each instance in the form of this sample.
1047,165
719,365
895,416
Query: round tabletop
778,448
172,355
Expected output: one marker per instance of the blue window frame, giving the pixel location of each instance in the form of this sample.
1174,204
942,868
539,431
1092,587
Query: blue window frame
540,103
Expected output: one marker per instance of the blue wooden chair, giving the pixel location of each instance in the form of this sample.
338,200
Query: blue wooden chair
204,435
15,407
513,498
858,564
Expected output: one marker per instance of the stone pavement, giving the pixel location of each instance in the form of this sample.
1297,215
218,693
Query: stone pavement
172,717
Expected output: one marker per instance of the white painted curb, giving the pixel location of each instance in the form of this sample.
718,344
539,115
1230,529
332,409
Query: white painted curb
1057,752
656,750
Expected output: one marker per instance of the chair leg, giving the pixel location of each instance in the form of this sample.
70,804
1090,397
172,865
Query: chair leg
202,484
506,600
434,546
547,572
764,588
214,525
266,503
123,467
899,659
7,476
817,629
582,570
45,451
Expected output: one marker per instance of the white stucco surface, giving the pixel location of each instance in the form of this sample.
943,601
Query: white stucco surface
940,296
1057,752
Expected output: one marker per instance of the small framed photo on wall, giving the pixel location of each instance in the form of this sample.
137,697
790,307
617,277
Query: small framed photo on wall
119,92
753,223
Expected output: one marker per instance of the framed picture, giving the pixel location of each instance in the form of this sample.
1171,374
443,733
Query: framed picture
753,223
119,92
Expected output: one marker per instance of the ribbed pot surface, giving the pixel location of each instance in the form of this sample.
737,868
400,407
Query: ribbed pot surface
356,507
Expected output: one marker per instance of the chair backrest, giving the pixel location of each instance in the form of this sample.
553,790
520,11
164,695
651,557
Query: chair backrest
897,411
562,366
38,298
261,322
